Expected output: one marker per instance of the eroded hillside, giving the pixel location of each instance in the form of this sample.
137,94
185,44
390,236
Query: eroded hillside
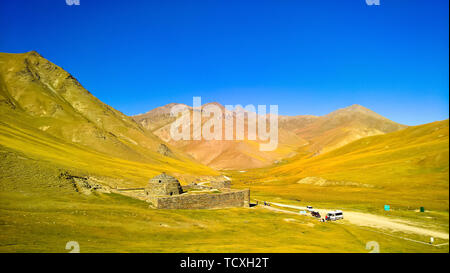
406,168
303,135
47,114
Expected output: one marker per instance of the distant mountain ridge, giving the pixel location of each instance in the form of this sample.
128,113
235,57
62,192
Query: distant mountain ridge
304,134
343,126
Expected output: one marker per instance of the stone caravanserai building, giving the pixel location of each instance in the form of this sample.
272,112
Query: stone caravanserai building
165,192
163,185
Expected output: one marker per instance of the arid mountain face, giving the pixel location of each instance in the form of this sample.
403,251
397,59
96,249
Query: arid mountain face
220,154
341,127
305,135
39,100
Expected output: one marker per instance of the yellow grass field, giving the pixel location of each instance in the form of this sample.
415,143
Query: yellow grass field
50,126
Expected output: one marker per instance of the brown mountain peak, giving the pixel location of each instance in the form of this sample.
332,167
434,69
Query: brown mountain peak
33,53
214,103
353,110
162,110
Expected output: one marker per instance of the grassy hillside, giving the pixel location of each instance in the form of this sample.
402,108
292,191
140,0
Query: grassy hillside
343,126
47,114
407,169
40,212
55,136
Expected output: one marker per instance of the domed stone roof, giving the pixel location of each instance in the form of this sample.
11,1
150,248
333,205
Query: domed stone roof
163,184
163,177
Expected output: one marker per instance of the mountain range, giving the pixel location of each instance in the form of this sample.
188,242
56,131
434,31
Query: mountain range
47,115
305,134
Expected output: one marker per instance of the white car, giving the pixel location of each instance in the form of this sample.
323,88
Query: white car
309,208
334,215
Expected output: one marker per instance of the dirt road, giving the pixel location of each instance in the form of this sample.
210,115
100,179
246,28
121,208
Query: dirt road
381,222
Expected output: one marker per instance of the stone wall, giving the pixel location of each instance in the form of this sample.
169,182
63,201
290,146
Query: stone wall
246,197
232,198
163,188
195,186
220,184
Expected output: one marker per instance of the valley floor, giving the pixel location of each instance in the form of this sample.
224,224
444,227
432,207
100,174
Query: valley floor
42,212
115,223
386,225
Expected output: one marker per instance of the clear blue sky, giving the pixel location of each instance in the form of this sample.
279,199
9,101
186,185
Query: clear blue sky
309,57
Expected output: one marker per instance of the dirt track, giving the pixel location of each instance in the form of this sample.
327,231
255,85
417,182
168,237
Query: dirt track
370,220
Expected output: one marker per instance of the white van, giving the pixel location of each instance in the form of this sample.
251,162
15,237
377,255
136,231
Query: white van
335,215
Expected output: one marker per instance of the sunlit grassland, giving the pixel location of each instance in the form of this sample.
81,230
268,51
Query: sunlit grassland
114,223
41,213
407,169
38,145
50,125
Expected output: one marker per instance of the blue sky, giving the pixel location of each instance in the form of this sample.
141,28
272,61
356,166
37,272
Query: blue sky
309,57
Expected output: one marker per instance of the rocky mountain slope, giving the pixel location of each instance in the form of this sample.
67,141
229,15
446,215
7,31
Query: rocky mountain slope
306,135
44,110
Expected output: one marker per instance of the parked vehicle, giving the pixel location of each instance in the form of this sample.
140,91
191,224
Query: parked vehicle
309,208
315,213
334,215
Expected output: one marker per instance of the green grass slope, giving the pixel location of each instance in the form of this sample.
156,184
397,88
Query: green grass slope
48,115
407,169
50,125
41,212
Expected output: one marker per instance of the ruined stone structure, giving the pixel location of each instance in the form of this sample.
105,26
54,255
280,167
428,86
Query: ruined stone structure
221,184
227,199
163,185
165,192
195,186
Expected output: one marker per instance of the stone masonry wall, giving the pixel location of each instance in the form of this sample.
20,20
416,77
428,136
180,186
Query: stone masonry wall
195,186
165,188
237,198
220,184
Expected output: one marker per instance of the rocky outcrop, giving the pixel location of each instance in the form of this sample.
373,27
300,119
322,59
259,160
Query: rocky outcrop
83,184
164,150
